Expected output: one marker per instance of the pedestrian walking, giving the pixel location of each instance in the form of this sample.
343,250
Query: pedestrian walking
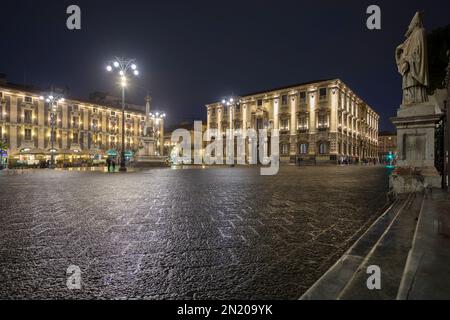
114,165
108,162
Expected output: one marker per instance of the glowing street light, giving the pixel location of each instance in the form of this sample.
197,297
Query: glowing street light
124,66
53,100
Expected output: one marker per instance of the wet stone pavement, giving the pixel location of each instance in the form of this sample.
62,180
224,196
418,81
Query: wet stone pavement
217,233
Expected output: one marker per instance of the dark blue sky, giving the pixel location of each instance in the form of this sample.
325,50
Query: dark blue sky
194,52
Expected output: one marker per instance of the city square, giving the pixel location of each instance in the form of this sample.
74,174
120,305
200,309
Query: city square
240,156
192,233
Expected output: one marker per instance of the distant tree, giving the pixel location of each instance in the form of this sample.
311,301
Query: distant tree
438,44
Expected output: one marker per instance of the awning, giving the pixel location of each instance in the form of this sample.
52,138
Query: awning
112,153
128,153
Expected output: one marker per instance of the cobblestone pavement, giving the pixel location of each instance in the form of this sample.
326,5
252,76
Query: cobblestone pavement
217,233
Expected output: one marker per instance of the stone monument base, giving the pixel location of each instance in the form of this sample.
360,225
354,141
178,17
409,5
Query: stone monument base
406,180
150,161
415,169
146,157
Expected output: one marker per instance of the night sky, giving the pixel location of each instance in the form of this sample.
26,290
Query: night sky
194,52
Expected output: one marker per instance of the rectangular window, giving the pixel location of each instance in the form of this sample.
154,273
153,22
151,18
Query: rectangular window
75,122
113,114
284,99
75,138
303,148
28,100
323,122
303,123
213,112
27,134
238,108
128,116
259,103
28,114
74,108
303,97
284,125
322,93
94,110
284,149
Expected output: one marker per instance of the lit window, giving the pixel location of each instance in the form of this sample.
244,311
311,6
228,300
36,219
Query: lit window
323,122
284,124
303,123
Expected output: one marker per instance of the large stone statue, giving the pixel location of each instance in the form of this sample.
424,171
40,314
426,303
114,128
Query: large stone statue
416,118
412,63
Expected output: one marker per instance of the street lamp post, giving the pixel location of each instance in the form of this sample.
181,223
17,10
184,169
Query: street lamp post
124,66
52,100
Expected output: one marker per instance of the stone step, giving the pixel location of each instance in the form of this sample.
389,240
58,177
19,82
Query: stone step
427,273
331,284
389,254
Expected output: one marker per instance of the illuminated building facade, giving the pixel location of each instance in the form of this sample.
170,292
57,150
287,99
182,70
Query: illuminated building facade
85,131
320,121
387,145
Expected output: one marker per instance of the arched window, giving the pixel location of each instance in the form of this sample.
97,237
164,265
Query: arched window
323,148
303,148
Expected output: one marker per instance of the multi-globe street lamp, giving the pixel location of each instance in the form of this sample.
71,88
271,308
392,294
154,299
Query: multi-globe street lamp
53,99
231,103
123,67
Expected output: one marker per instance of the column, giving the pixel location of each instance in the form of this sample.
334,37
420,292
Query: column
293,126
334,109
219,122
276,119
312,92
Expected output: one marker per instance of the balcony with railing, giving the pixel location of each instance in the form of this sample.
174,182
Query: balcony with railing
303,128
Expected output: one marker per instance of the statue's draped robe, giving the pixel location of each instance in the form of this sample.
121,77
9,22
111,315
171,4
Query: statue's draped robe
412,64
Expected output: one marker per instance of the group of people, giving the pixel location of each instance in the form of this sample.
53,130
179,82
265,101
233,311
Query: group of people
111,162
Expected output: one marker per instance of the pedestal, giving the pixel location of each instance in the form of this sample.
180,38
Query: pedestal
415,171
147,156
